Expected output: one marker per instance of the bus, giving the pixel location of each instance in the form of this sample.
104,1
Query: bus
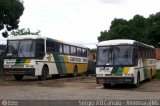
124,61
36,55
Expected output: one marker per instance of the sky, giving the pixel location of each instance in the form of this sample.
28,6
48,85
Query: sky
80,21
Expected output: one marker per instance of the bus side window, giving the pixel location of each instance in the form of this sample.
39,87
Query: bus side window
73,50
135,56
84,52
79,51
56,47
139,52
40,49
50,46
66,49
143,53
60,48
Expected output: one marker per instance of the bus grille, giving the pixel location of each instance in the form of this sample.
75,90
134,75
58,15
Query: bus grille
17,66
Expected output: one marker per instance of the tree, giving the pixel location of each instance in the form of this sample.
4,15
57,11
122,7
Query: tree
24,31
10,12
154,29
142,29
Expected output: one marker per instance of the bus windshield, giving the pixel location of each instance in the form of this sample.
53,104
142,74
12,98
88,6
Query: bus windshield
114,55
21,48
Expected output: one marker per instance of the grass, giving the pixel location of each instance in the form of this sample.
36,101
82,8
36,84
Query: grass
157,75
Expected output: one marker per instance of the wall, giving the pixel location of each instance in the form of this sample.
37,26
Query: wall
158,65
158,58
158,53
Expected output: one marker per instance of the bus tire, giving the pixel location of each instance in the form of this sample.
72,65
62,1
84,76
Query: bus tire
44,75
107,85
75,71
138,81
18,77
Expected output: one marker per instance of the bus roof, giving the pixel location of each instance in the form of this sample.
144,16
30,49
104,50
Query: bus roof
68,43
20,37
23,37
116,42
121,42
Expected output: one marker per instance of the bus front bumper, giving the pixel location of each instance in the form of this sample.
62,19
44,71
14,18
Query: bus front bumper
23,71
115,80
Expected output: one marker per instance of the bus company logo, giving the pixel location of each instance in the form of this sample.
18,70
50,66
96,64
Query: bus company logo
49,58
84,60
75,59
4,102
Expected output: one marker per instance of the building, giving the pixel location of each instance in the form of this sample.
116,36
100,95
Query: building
158,53
158,58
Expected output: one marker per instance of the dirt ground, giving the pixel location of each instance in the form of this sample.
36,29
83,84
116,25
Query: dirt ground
78,88
67,82
81,82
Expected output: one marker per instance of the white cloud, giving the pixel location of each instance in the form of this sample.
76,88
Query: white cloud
80,20
111,1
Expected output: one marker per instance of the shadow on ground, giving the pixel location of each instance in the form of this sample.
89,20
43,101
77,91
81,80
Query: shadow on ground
145,86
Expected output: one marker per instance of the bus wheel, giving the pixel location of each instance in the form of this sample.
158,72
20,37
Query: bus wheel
138,81
107,85
75,71
44,75
18,77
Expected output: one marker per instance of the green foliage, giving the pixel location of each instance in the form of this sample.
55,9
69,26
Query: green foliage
24,31
142,29
10,12
92,50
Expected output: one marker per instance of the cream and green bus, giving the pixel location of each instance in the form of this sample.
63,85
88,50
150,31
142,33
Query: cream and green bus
40,56
124,61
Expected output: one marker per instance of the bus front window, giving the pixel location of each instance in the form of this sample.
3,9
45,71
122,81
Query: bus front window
21,48
122,55
105,56
114,55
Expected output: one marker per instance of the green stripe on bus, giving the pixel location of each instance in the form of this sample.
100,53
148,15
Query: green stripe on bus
20,61
120,70
59,60
117,70
58,65
64,70
114,70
